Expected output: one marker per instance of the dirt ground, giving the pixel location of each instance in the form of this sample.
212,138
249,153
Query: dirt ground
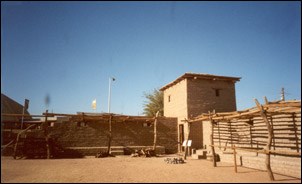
126,169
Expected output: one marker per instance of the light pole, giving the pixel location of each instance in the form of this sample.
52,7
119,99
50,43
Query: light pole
110,136
110,79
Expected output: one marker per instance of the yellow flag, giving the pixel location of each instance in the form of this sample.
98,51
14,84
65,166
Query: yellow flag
93,105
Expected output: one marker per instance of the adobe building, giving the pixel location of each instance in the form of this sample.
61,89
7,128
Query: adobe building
193,94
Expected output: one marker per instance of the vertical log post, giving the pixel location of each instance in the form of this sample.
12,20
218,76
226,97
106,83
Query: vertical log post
219,136
235,159
296,136
231,134
188,135
110,135
273,134
155,131
45,131
251,136
257,148
212,140
269,140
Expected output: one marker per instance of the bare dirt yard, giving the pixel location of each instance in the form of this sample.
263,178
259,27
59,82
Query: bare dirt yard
126,169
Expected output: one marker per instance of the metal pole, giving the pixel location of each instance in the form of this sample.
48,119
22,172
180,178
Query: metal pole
109,95
110,119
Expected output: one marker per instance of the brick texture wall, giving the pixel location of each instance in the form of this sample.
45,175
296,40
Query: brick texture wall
177,106
191,97
282,165
202,96
95,134
93,137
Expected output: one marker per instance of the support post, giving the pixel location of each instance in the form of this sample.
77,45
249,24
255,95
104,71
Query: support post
212,141
110,136
25,107
251,136
155,131
273,134
257,148
269,140
44,128
235,159
296,135
231,132
188,135
219,136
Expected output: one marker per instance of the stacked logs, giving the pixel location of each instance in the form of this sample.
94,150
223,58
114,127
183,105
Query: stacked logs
143,153
174,160
103,154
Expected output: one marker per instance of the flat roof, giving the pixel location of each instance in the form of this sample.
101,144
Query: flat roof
200,76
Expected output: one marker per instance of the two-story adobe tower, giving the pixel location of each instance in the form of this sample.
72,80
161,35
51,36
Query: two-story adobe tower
193,94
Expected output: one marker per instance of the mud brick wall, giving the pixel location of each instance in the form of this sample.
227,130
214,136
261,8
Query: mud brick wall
129,133
290,166
190,97
202,96
175,101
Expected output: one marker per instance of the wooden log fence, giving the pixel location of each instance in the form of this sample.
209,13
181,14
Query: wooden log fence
271,128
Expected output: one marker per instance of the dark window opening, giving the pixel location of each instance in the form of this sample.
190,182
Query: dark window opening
169,98
217,92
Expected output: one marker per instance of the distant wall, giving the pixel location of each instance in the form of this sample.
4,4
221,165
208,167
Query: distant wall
95,134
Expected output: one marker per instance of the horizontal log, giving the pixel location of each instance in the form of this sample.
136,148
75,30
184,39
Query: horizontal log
261,151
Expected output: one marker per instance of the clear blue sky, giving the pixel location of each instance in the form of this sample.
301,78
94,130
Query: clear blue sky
68,50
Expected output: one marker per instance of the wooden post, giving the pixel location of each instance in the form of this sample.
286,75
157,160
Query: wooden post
235,160
273,134
295,129
155,131
110,136
251,136
188,135
219,136
257,148
269,141
212,141
44,128
230,128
